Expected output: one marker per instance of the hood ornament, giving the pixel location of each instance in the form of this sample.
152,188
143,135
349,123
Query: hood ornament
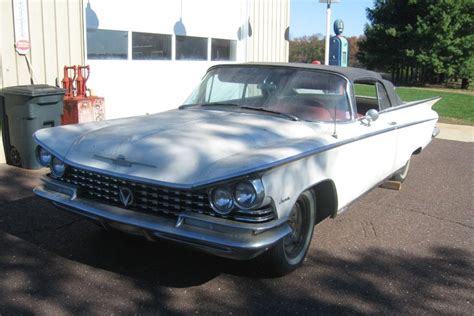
122,161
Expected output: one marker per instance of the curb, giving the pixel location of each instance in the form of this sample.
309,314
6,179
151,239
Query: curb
461,133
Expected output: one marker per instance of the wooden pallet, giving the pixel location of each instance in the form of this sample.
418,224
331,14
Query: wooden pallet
392,185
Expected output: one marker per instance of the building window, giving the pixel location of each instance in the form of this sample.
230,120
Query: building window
151,46
191,48
107,44
222,49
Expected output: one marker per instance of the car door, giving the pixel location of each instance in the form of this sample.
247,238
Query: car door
369,145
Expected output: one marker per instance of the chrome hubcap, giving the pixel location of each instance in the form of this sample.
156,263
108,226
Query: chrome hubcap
294,243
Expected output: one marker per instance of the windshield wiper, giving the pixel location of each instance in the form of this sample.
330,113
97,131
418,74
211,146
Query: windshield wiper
185,106
291,117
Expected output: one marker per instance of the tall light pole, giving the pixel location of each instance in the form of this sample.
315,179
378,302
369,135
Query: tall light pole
328,28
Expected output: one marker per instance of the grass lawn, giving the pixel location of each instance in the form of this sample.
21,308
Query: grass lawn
456,106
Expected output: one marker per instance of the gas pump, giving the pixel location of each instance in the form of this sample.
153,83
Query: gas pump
339,47
68,82
82,77
80,107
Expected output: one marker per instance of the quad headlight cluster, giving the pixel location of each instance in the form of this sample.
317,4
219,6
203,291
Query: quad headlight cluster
46,159
246,194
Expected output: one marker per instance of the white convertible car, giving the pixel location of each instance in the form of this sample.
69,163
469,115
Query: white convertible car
257,155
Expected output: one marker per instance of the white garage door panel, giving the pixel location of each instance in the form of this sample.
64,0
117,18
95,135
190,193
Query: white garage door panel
139,87
160,16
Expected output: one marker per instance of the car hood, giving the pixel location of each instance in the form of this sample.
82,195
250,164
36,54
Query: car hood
183,148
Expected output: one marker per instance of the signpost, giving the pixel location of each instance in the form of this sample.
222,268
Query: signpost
328,28
20,19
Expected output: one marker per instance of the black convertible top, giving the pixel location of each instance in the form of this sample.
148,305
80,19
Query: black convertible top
351,73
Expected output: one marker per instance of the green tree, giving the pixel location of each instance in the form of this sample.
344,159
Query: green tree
418,40
354,50
466,72
307,49
310,48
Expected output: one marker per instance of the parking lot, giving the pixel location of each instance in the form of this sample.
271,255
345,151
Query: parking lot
408,251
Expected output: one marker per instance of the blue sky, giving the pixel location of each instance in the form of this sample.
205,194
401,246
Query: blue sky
308,17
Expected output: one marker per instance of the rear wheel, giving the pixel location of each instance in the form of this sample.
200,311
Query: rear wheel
401,174
289,253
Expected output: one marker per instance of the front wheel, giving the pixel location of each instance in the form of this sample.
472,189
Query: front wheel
289,253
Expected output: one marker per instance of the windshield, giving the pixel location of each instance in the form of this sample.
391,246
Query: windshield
310,95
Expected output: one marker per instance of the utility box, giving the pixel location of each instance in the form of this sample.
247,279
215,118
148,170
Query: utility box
24,110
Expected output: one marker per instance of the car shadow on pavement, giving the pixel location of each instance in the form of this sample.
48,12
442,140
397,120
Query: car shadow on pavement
93,272
81,240
53,262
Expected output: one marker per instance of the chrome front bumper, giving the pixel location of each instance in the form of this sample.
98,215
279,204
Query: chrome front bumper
217,236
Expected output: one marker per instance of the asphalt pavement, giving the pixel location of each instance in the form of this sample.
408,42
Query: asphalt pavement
392,252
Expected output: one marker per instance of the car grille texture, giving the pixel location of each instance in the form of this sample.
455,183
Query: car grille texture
152,199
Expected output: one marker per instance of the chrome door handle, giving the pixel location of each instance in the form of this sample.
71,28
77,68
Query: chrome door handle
392,123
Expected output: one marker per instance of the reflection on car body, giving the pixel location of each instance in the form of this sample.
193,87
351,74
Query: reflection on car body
257,155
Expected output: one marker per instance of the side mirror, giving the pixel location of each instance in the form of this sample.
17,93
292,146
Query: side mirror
371,116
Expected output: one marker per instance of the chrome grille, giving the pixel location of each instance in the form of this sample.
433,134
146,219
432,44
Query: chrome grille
152,199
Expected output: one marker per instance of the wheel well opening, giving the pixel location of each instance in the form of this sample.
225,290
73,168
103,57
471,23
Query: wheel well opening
326,200
416,152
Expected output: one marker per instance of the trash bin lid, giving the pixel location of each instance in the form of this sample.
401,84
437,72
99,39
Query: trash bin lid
33,90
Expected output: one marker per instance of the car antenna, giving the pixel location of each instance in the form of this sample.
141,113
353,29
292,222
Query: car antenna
334,134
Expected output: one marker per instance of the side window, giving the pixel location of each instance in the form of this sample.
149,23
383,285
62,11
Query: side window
191,48
366,97
370,95
107,44
384,102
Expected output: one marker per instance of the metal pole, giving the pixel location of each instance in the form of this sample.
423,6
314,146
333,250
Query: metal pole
328,33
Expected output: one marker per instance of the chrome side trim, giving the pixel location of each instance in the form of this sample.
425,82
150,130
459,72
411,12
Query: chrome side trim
436,132
244,172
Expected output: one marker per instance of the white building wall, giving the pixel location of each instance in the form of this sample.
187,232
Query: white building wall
136,87
269,20
56,37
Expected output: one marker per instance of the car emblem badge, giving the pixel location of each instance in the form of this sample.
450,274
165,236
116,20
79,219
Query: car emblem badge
126,196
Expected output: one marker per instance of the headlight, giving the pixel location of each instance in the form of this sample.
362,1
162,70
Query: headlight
44,157
248,194
222,200
58,168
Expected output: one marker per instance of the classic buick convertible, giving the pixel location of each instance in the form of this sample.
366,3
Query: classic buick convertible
254,159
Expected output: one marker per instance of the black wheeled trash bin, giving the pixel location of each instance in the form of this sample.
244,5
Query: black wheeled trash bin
4,126
25,110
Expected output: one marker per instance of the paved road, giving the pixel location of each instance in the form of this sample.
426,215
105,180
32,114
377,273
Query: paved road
393,252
